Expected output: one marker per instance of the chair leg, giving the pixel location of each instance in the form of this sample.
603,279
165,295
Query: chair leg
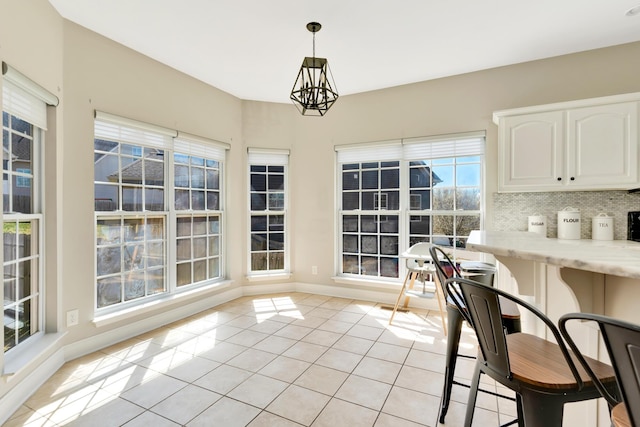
455,320
404,286
441,300
541,410
473,394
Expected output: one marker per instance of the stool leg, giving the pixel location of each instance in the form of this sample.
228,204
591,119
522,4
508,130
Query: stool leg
473,394
541,410
455,320
441,301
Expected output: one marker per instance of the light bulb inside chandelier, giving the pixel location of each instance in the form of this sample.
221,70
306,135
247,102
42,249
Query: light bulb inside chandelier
313,92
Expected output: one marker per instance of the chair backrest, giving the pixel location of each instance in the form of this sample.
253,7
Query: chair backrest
622,340
483,309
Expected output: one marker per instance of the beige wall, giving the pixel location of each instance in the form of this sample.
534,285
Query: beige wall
89,72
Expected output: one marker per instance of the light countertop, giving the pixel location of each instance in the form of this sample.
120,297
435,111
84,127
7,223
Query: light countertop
614,257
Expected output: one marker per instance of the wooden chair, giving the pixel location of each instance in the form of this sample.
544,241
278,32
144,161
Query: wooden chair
419,266
622,340
540,372
445,269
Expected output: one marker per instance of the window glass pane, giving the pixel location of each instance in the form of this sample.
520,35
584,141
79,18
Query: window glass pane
21,126
445,175
350,201
183,249
258,182
197,177
197,200
259,242
443,224
369,244
350,243
200,247
419,199
350,223
213,200
276,182
369,224
443,199
369,266
350,180
258,201
213,179
368,200
131,198
109,291
390,178
184,274
370,179
468,174
389,267
468,199
154,199
259,261
258,223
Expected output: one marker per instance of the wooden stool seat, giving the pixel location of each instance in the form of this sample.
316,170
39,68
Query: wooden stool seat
620,416
540,363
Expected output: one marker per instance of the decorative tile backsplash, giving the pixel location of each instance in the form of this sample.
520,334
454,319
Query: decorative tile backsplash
511,210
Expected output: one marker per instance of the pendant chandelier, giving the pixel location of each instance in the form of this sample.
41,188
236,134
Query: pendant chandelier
313,92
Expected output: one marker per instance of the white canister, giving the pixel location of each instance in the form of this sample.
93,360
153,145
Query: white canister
602,227
538,224
569,223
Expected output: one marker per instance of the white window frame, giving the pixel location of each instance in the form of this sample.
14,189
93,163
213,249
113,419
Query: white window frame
278,158
135,135
417,149
24,99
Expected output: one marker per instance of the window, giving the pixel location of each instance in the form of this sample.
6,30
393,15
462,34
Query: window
197,201
24,120
138,168
268,205
396,194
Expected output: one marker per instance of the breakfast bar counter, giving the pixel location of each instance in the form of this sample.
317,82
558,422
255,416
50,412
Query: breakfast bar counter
563,276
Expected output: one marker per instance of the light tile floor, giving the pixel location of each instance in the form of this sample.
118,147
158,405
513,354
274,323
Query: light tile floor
278,360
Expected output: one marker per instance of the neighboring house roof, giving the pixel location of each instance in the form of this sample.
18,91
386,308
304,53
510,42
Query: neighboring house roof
153,170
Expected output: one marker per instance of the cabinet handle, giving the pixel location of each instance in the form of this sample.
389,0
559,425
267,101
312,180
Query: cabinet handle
573,178
559,178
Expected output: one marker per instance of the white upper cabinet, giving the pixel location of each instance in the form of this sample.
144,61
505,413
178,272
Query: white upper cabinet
602,143
570,146
531,151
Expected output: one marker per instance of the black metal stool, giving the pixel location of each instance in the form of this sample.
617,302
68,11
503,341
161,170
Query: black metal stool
477,271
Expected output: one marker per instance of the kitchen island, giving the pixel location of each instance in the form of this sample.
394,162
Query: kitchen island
563,276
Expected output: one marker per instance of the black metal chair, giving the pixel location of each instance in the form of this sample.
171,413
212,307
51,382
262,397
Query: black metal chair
445,269
540,372
622,340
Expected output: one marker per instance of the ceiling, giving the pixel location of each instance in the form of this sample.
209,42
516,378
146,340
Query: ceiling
253,49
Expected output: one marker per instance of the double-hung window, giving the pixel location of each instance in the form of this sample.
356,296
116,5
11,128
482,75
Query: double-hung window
268,211
158,205
395,194
24,121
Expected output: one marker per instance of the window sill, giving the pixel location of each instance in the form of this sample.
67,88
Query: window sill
371,283
268,277
28,352
108,319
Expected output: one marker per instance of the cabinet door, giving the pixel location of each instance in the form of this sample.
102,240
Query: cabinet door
603,146
531,152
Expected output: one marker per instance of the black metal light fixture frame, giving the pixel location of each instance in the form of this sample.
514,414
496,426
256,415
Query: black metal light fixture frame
313,92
